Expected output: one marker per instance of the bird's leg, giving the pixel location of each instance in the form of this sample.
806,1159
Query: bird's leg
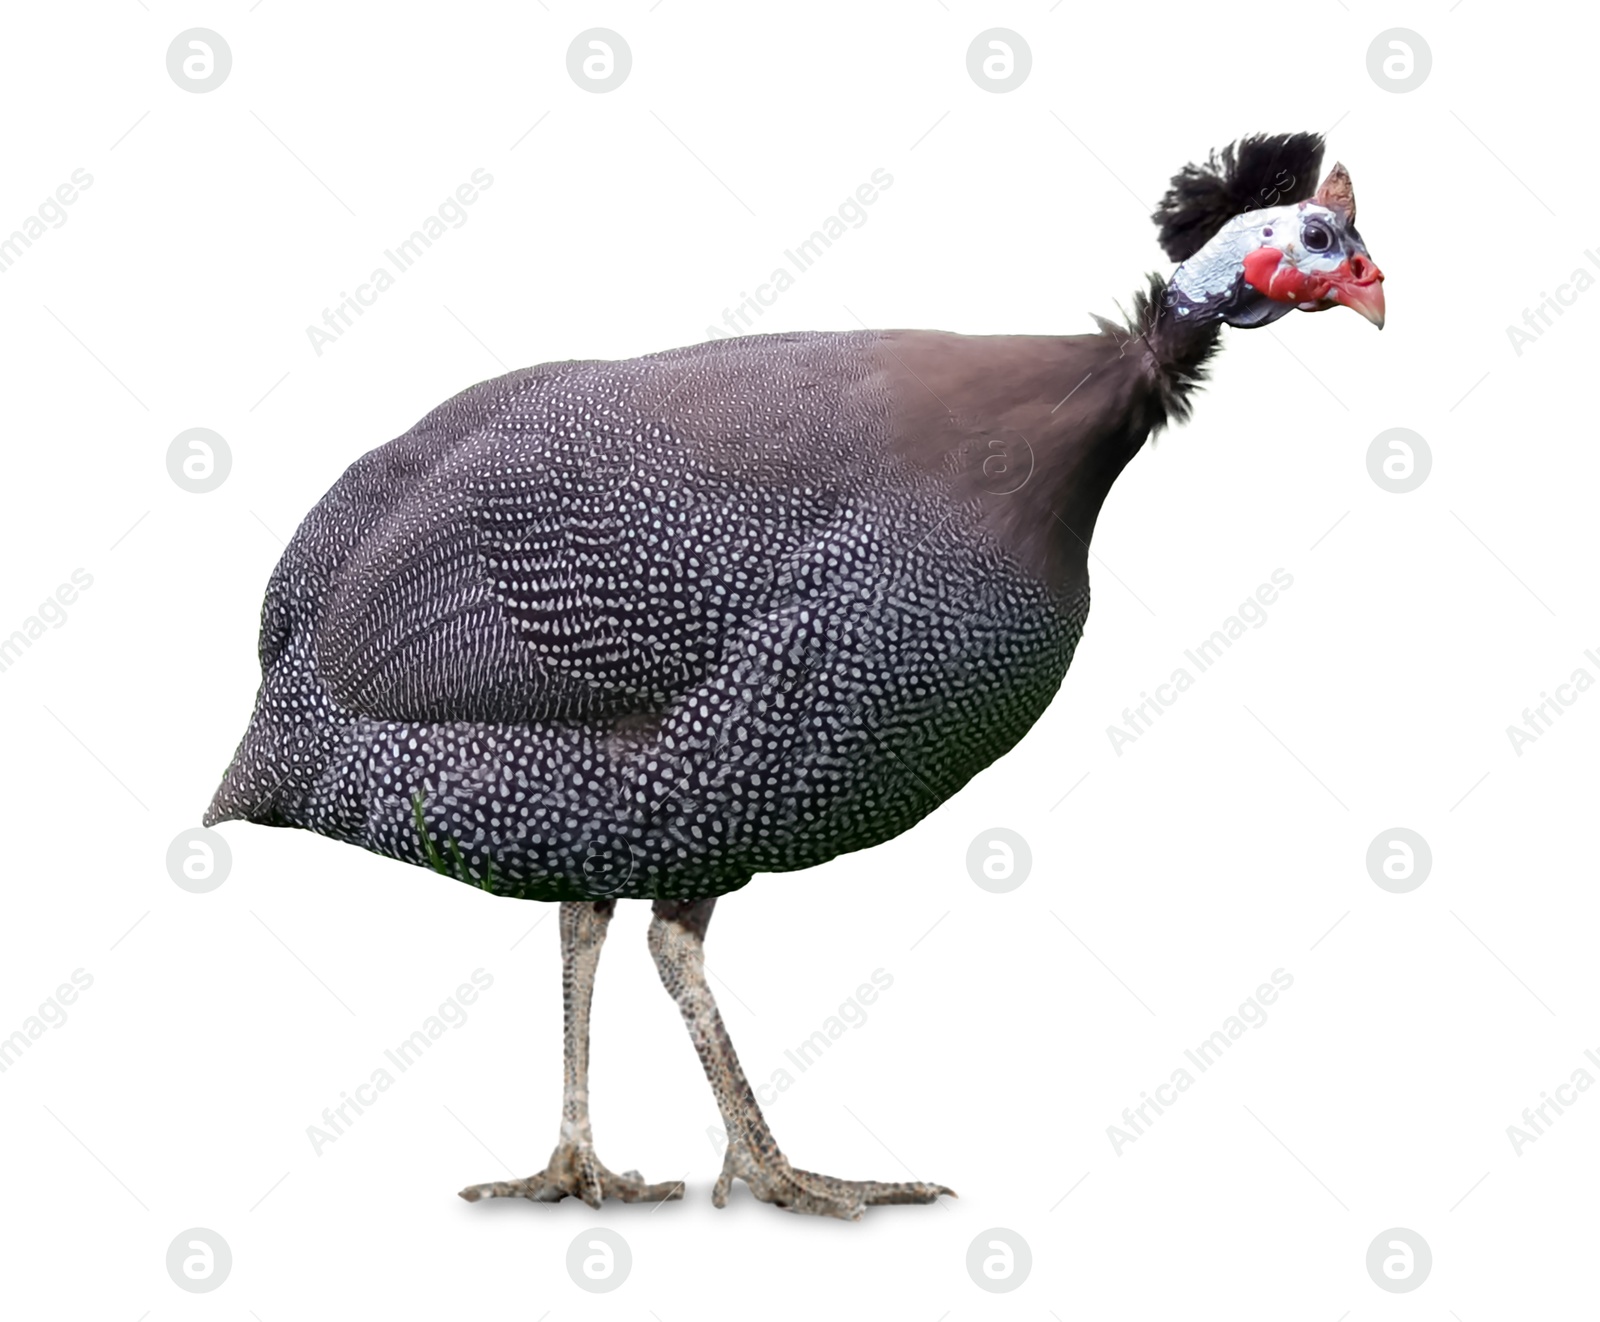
574,1168
677,935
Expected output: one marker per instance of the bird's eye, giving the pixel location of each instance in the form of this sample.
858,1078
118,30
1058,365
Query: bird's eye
1316,236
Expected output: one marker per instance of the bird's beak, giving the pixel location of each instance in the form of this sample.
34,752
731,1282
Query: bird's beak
1358,284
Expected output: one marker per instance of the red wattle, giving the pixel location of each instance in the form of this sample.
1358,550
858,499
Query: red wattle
1259,268
1266,271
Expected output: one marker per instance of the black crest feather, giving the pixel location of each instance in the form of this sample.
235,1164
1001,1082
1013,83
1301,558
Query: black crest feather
1255,172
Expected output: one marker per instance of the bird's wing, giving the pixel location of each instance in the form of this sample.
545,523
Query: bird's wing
574,545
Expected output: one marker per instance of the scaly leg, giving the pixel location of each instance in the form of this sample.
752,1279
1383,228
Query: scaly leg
677,935
574,1168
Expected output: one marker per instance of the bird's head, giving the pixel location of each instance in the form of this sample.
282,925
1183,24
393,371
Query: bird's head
1256,241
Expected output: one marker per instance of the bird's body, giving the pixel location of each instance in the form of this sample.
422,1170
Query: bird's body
642,629
605,632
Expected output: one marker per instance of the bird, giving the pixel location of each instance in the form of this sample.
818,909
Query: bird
597,631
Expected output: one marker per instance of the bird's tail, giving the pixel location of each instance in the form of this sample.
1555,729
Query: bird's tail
247,787
270,773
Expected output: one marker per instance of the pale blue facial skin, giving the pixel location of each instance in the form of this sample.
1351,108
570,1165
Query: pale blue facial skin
1218,266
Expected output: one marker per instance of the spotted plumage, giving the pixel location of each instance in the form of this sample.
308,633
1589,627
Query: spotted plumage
645,629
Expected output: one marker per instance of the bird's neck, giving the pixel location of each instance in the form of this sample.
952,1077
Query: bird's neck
1036,429
1146,369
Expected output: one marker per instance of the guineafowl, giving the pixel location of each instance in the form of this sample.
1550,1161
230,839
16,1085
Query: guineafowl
596,631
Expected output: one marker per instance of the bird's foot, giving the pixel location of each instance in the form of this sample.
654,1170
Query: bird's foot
574,1170
773,1180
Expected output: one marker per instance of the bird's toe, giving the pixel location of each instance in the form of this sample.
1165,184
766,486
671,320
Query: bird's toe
808,1193
876,1193
575,1172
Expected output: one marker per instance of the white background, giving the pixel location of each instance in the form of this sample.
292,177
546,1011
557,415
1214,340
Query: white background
1174,878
